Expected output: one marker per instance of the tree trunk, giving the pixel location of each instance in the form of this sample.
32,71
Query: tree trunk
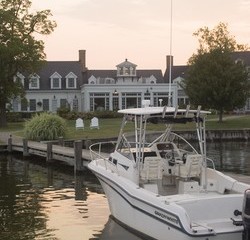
3,117
220,115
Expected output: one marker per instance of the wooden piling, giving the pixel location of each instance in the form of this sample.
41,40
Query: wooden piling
79,183
87,144
9,148
49,155
78,156
25,148
61,141
245,134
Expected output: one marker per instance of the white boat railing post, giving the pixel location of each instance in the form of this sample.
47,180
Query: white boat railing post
121,131
201,134
138,143
187,110
204,152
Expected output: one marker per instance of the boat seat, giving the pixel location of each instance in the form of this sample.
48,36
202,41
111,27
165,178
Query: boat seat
146,154
191,167
152,169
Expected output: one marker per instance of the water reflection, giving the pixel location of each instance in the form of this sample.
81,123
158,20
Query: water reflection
230,156
48,202
113,231
37,202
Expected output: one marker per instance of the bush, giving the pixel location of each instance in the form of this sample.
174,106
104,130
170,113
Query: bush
45,127
63,111
14,117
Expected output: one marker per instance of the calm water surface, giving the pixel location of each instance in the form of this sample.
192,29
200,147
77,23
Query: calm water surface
49,203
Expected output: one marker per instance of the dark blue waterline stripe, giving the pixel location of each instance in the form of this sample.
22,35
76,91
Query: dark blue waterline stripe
182,229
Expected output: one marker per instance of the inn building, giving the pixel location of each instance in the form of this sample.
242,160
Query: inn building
71,84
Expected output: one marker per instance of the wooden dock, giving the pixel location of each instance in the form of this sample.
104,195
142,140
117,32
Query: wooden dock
71,156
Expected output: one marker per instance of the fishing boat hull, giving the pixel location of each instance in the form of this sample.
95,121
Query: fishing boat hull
162,187
150,215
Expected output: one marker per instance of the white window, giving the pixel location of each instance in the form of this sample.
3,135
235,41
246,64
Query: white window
92,80
125,71
239,61
32,105
71,80
119,71
109,81
56,81
34,81
19,78
132,71
248,72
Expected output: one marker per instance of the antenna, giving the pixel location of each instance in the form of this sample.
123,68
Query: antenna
170,52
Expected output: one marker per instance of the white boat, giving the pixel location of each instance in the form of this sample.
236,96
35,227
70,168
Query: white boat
159,188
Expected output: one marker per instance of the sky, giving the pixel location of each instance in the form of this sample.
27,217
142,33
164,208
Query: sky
138,30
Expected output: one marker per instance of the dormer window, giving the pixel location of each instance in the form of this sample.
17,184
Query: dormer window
92,80
239,61
132,71
71,80
125,71
56,81
248,72
109,81
119,71
19,78
34,82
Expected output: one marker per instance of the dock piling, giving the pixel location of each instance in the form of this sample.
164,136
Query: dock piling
9,148
61,141
25,148
49,155
78,156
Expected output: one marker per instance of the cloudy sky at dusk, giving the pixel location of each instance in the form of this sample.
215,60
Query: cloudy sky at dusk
139,30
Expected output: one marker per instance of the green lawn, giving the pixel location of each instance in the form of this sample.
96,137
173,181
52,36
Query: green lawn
110,127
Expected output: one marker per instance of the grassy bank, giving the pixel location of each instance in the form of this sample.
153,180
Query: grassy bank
111,127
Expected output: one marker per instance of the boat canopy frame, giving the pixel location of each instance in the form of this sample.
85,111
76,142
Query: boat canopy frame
169,116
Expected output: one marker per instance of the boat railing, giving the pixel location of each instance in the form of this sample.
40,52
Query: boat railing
101,150
184,140
212,162
101,153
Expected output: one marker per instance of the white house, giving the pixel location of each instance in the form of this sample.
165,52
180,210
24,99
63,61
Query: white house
71,84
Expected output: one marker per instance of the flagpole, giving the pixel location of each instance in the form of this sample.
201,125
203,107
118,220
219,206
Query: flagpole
170,52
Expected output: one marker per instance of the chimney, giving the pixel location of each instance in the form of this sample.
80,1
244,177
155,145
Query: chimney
170,61
82,59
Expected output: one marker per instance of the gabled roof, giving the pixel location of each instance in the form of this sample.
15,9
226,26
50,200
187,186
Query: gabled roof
176,71
245,56
102,73
113,74
127,64
61,67
181,71
149,72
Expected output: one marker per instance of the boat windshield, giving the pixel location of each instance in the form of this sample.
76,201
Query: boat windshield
124,147
133,146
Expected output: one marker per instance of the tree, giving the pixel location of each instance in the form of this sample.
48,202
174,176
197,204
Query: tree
214,80
19,50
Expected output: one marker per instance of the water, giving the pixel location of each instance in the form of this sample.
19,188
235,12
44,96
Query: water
49,203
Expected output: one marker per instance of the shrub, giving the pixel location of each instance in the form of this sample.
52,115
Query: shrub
14,117
63,111
45,126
